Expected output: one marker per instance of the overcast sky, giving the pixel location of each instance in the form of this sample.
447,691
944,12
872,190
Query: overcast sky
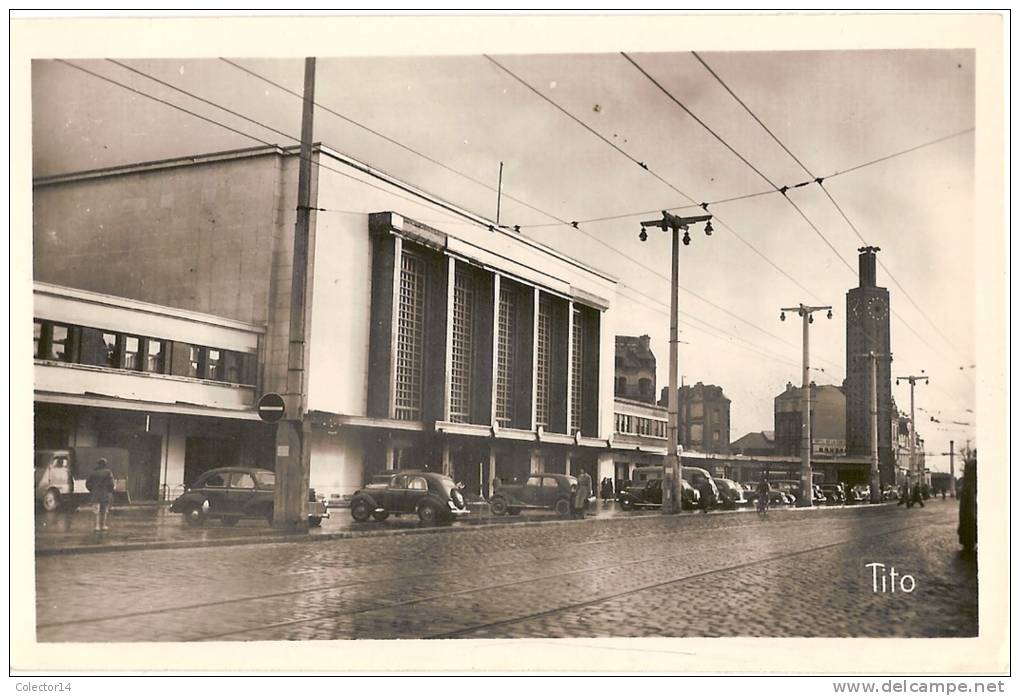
832,110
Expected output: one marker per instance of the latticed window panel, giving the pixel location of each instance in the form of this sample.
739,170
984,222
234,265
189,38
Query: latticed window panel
576,367
410,337
543,381
460,349
505,337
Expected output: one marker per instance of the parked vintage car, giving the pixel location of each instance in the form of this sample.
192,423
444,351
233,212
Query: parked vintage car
650,495
861,493
430,495
539,491
834,494
231,494
731,494
702,481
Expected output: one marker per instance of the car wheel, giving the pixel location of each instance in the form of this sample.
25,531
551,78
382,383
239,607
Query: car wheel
228,521
380,515
427,513
498,506
562,507
51,500
314,521
361,510
626,504
194,516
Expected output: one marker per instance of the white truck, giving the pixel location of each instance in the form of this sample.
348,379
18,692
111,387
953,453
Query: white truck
60,475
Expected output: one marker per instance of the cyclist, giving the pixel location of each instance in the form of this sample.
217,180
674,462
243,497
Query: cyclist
763,494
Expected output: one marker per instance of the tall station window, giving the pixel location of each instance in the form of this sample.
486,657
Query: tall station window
576,367
506,334
543,381
410,337
460,350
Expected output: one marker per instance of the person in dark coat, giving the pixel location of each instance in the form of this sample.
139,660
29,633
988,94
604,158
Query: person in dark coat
582,493
100,484
917,497
707,497
967,494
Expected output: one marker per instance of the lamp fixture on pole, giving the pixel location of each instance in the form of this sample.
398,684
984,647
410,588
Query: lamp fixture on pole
675,223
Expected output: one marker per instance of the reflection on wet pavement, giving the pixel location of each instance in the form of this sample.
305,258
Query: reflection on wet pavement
140,524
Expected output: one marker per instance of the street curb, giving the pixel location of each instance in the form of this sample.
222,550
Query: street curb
283,537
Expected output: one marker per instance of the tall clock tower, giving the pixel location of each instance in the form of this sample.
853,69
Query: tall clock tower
867,329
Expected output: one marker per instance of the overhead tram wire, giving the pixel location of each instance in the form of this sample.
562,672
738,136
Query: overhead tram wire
771,191
391,140
720,334
177,107
782,190
716,218
591,130
739,156
291,137
559,221
820,181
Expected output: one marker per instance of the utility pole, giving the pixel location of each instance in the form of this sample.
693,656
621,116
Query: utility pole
671,493
875,478
806,482
293,454
913,379
952,470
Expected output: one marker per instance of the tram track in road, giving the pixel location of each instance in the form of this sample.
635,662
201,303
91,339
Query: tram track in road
538,579
545,549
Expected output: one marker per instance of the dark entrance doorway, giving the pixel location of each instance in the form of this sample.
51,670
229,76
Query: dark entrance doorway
204,453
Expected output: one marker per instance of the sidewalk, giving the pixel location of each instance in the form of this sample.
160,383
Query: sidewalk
137,527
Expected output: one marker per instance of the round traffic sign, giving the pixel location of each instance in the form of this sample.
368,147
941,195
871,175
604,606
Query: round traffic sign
271,407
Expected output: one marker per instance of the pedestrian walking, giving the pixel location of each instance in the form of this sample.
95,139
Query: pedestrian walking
917,497
707,498
943,494
100,484
904,496
582,493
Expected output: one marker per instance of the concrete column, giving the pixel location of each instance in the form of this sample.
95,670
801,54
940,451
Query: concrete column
566,463
537,462
491,471
447,460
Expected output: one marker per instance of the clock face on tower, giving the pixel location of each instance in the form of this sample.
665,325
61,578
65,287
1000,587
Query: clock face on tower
877,308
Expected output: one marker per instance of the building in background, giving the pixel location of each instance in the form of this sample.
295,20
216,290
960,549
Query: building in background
867,330
828,424
163,312
639,436
761,443
635,369
704,418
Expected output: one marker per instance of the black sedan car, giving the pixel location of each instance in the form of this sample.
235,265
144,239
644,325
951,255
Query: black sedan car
231,494
539,491
430,495
650,496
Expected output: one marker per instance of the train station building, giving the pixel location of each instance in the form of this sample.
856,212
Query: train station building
434,339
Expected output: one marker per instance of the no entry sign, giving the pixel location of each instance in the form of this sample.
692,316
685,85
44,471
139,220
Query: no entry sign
271,407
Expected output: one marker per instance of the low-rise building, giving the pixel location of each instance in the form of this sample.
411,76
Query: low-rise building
634,369
828,421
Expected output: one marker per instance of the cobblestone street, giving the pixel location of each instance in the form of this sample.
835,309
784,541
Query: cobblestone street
794,573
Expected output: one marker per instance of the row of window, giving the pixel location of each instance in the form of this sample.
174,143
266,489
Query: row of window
636,425
410,338
85,345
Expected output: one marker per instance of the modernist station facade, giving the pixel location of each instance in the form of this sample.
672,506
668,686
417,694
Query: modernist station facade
433,338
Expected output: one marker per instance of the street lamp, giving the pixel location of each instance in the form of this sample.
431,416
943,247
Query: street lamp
806,482
669,221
